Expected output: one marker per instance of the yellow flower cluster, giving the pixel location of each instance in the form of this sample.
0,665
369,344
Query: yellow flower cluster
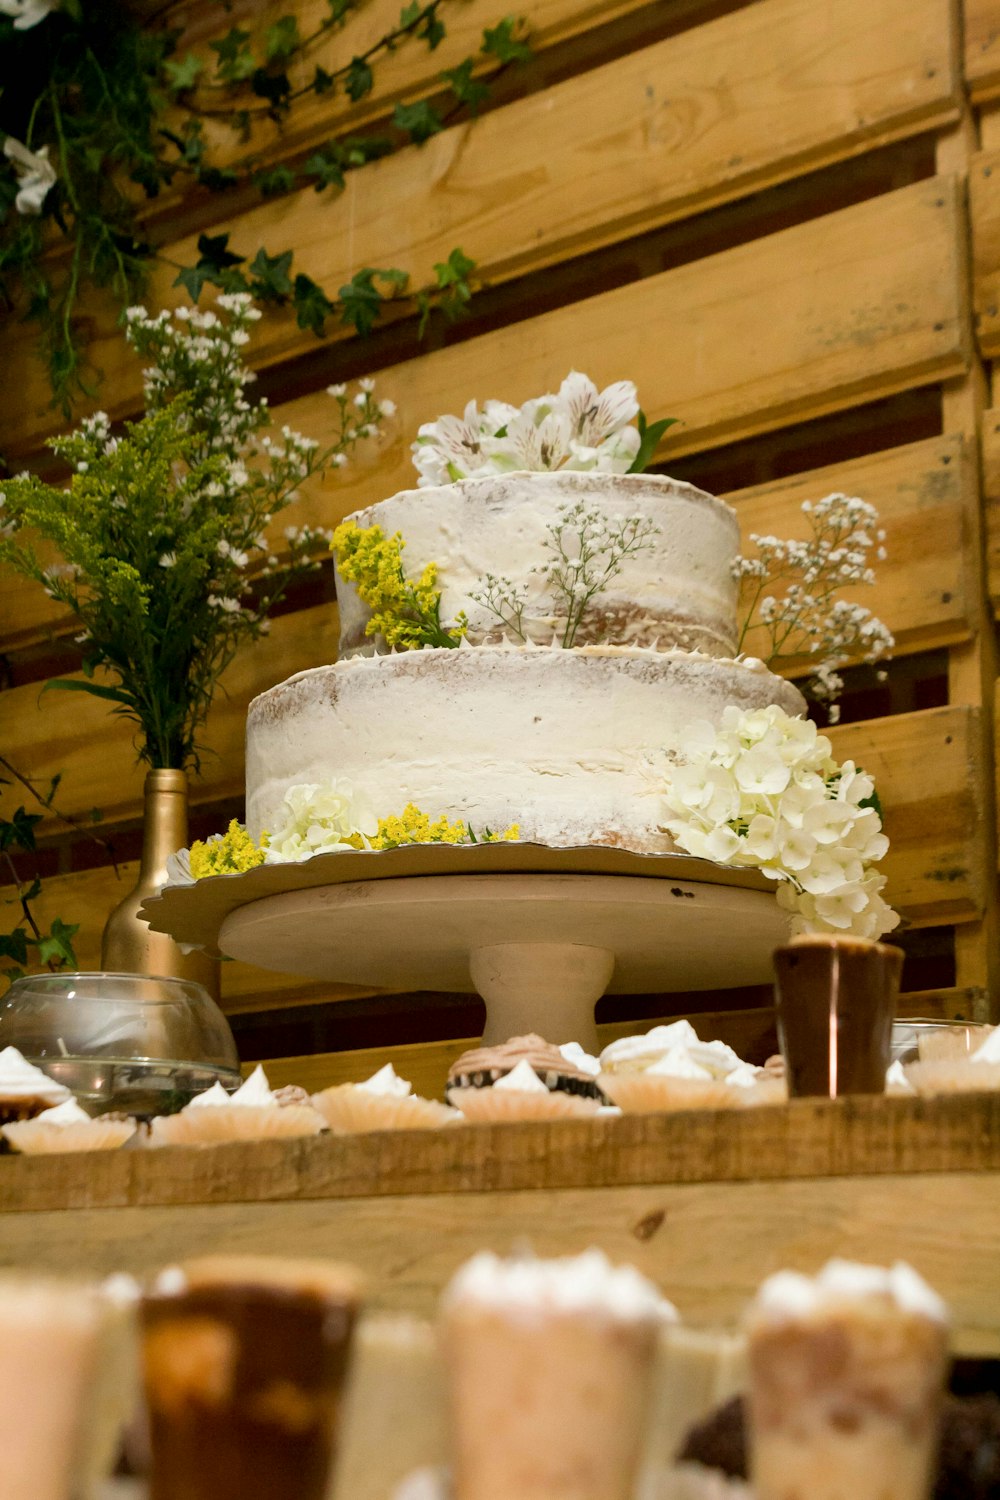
412,826
405,613
229,853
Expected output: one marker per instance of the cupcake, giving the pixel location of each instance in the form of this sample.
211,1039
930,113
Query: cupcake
25,1091
636,1054
674,1081
565,1070
67,1127
755,1086
520,1095
252,1113
383,1102
977,1074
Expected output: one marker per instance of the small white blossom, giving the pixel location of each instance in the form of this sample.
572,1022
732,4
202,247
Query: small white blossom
36,174
28,13
168,560
762,790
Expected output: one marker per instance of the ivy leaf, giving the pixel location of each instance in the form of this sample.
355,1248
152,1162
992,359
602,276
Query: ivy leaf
339,10
193,278
504,42
282,39
276,88
650,434
274,180
14,945
325,166
271,279
312,305
183,75
359,79
361,301
410,15
467,90
214,248
57,947
323,82
236,61
18,831
432,32
453,281
420,121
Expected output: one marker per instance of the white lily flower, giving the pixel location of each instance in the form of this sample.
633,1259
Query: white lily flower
27,13
35,172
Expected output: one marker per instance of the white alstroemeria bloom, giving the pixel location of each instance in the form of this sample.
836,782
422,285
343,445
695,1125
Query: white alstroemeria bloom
535,445
28,13
450,448
35,172
596,415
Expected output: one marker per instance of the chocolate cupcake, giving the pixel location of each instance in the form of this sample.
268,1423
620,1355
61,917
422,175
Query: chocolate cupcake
556,1067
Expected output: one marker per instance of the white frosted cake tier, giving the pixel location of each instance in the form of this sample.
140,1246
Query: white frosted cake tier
679,591
569,745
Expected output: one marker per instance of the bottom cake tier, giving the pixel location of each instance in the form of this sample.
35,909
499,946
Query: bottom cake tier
568,745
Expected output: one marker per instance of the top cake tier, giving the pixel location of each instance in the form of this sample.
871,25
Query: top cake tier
677,591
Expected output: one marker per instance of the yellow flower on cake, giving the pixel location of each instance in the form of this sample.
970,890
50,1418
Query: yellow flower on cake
229,853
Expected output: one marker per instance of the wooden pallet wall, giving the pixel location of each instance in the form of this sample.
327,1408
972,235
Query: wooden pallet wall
793,248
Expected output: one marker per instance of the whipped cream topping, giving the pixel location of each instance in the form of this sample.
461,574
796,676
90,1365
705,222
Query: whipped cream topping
20,1079
574,1053
387,1082
67,1113
586,1283
989,1052
651,1044
254,1093
677,1062
521,1079
743,1076
896,1078
789,1295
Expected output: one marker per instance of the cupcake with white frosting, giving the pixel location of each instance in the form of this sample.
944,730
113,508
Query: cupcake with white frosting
25,1091
674,1081
252,1113
521,1095
66,1127
976,1074
383,1102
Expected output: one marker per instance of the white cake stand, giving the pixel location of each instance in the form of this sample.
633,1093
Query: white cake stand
541,933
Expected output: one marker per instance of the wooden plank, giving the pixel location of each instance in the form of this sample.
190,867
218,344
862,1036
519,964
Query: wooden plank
849,307
926,596
709,1245
712,114
806,1138
990,450
984,208
982,48
936,856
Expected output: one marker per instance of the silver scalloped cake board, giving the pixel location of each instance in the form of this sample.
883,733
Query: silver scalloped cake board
540,932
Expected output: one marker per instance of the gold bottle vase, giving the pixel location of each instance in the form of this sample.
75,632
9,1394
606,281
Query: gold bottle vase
129,946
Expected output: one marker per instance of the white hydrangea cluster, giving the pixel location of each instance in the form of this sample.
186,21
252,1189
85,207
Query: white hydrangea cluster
804,618
319,817
763,791
580,428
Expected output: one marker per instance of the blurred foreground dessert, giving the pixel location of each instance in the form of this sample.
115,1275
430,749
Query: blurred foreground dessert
846,1379
548,1371
244,1362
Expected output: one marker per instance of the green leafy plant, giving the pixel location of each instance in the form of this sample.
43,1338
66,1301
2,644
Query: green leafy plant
101,114
167,562
26,945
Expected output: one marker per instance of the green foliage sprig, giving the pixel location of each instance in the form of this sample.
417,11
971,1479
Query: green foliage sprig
101,114
26,945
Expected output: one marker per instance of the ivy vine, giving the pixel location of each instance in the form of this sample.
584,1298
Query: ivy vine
101,115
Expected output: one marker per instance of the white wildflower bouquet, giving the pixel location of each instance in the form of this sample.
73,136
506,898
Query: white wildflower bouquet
789,604
579,428
764,792
166,561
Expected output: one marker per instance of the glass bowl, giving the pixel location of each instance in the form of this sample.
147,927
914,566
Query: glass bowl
921,1039
130,1042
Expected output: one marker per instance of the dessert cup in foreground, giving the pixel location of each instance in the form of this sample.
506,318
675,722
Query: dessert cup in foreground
846,1381
49,1336
244,1365
520,1095
548,1371
383,1102
25,1091
65,1128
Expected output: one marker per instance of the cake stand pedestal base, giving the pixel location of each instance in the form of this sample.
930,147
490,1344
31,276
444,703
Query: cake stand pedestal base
540,948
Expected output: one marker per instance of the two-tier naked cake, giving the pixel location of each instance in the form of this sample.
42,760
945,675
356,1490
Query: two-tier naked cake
566,742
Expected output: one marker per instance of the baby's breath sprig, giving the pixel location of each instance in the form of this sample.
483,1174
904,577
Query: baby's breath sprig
805,618
587,550
406,613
